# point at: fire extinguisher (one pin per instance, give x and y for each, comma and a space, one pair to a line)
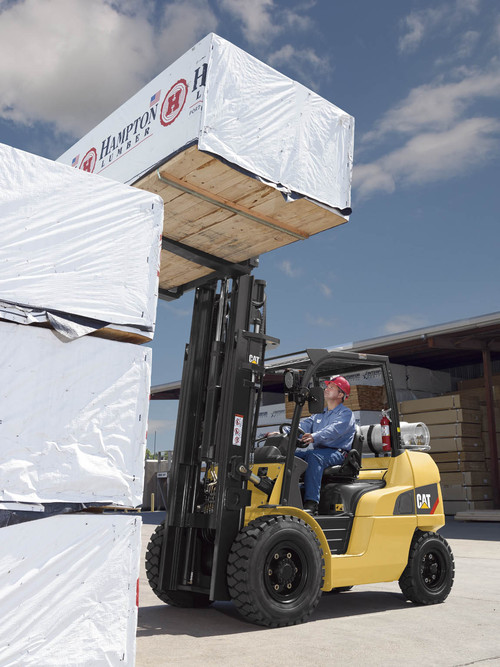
386, 431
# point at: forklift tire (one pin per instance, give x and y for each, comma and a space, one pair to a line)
275, 571
174, 598
428, 576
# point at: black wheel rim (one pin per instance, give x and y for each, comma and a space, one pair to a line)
285, 573
433, 570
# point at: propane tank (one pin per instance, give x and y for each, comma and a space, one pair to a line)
414, 436
385, 431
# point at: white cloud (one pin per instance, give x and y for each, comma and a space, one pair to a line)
71, 62
304, 62
185, 22
496, 31
422, 24
255, 17
322, 322
261, 20
431, 156
326, 290
468, 42
286, 267
400, 323
442, 142
417, 25
436, 106
160, 425
370, 178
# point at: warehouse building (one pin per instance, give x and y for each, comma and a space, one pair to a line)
448, 376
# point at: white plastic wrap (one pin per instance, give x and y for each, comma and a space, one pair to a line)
76, 243
276, 128
73, 418
68, 591
236, 107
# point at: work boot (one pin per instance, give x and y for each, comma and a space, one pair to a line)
311, 506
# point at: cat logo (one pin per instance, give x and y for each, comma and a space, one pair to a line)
424, 501
427, 499
339, 507
253, 359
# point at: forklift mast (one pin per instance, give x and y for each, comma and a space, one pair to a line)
216, 425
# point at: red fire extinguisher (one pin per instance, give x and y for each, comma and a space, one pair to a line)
386, 431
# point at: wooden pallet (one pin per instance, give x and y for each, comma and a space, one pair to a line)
216, 209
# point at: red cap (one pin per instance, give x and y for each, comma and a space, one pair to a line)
341, 383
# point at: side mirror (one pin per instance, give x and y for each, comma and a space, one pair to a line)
316, 400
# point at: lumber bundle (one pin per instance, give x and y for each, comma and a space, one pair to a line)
215, 209
457, 447
245, 159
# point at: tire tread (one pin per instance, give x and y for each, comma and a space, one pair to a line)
237, 571
409, 584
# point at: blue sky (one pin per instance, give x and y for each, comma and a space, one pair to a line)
422, 80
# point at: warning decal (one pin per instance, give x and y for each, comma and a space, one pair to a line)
237, 430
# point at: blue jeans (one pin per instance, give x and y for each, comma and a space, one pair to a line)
317, 460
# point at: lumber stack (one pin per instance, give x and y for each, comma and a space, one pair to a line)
475, 388
80, 256
245, 159
457, 447
364, 397
210, 206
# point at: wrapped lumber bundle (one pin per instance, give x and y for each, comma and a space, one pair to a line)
245, 159
74, 418
79, 253
69, 590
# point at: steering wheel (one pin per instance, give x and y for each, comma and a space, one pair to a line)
300, 433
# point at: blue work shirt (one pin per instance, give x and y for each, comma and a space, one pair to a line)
332, 428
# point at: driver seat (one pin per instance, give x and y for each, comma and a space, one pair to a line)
349, 469
274, 451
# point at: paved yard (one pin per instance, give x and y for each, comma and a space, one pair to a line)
370, 625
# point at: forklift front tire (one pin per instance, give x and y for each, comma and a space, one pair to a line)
275, 571
428, 576
185, 599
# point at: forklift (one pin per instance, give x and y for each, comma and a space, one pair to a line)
235, 527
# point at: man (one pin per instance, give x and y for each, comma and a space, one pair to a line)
331, 434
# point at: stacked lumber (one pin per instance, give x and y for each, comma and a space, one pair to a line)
365, 397
245, 159
476, 389
290, 407
80, 255
362, 398
457, 447
210, 206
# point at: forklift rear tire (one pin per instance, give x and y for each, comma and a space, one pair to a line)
174, 598
275, 571
428, 577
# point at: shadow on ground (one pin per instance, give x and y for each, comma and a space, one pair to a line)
222, 618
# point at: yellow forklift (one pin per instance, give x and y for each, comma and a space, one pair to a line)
235, 527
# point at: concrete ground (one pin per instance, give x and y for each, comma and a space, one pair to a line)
369, 625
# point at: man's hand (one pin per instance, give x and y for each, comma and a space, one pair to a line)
307, 439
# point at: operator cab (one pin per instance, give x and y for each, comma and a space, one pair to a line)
298, 383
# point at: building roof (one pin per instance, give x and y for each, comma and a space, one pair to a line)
441, 346
437, 347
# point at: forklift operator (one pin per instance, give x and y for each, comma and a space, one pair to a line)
331, 434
